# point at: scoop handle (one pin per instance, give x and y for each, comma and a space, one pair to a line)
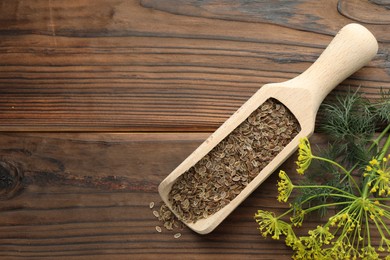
352, 48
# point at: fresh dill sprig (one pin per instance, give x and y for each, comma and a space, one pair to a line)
351, 176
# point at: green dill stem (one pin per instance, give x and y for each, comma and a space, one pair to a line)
285, 213
385, 206
361, 211
318, 206
384, 198
322, 205
385, 147
327, 205
356, 212
343, 194
348, 173
349, 195
367, 229
383, 235
353, 198
377, 140
329, 194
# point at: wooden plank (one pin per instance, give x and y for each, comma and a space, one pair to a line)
157, 66
86, 196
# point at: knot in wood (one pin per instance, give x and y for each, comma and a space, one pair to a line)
10, 180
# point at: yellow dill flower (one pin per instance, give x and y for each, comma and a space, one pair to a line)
298, 217
384, 242
291, 238
304, 155
380, 177
340, 219
369, 252
322, 235
285, 187
368, 171
339, 250
312, 249
374, 162
269, 224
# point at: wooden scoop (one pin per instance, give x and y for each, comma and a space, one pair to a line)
352, 48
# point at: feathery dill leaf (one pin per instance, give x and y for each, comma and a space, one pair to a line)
350, 123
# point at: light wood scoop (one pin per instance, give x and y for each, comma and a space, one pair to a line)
352, 48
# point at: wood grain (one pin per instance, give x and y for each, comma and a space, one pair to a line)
158, 66
162, 75
87, 196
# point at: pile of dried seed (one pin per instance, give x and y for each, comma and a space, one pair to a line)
226, 170
167, 218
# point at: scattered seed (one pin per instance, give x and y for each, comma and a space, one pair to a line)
177, 235
158, 229
156, 214
151, 204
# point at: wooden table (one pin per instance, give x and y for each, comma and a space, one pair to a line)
101, 99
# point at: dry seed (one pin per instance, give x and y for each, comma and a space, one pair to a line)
151, 204
158, 229
236, 178
177, 235
209, 165
156, 214
185, 204
168, 220
168, 225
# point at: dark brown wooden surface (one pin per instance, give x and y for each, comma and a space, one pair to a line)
101, 99
163, 65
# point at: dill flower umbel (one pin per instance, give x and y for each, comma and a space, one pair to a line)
285, 187
304, 155
379, 174
321, 235
269, 224
298, 215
